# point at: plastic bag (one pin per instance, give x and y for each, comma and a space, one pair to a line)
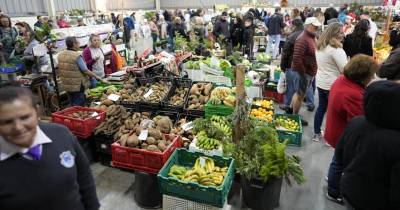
281, 88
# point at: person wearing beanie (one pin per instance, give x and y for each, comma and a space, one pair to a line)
369, 151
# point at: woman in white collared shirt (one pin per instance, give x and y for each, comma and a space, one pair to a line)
42, 165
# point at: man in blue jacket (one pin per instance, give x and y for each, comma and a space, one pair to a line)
275, 25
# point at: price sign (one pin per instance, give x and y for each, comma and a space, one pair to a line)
151, 91
113, 97
202, 162
187, 126
143, 135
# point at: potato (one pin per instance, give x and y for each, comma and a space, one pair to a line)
132, 141
152, 148
151, 140
107, 102
155, 133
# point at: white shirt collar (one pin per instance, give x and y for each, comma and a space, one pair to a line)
7, 149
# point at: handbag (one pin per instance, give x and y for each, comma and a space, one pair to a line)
281, 87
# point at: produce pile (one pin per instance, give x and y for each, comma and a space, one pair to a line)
81, 115
262, 114
204, 172
213, 133
99, 91
115, 117
223, 95
264, 103
212, 62
178, 99
185, 132
139, 131
284, 123
199, 95
153, 93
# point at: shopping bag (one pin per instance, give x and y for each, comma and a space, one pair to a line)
281, 87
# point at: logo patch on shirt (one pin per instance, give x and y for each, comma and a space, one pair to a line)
67, 159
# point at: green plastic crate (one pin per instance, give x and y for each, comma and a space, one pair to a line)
193, 191
294, 137
220, 110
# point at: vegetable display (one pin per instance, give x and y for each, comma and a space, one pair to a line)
206, 143
178, 99
81, 115
199, 95
141, 132
283, 123
115, 117
186, 134
204, 172
264, 103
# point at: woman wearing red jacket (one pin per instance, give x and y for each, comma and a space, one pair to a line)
345, 102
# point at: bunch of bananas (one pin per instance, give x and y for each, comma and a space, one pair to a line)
207, 175
223, 95
221, 123
206, 143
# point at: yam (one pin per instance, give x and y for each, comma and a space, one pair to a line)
162, 146
207, 89
151, 140
155, 133
107, 102
132, 141
152, 148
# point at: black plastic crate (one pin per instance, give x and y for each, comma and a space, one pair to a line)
103, 143
177, 83
150, 105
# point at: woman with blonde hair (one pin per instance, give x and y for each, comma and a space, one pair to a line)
331, 59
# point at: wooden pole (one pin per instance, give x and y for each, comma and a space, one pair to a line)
240, 101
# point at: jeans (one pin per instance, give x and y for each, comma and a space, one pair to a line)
154, 36
273, 41
93, 82
310, 94
290, 90
323, 96
334, 176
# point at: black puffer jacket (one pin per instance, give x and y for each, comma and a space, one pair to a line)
390, 69
369, 151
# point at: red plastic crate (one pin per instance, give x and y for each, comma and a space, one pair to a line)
140, 159
81, 128
279, 98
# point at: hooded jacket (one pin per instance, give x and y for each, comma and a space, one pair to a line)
369, 151
390, 69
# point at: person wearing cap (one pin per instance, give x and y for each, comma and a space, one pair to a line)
42, 164
369, 151
221, 32
275, 27
304, 64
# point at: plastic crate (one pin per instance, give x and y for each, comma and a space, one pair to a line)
11, 69
206, 69
177, 83
193, 191
279, 98
174, 203
81, 128
103, 143
294, 137
220, 110
140, 159
263, 98
193, 74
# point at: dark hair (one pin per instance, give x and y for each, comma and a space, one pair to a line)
360, 68
38, 17
70, 41
277, 9
25, 25
9, 20
12, 92
360, 32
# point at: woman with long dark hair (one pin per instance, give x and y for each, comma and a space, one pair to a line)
359, 42
237, 28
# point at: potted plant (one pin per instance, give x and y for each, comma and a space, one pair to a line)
263, 164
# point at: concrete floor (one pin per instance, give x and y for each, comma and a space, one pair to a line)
115, 187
